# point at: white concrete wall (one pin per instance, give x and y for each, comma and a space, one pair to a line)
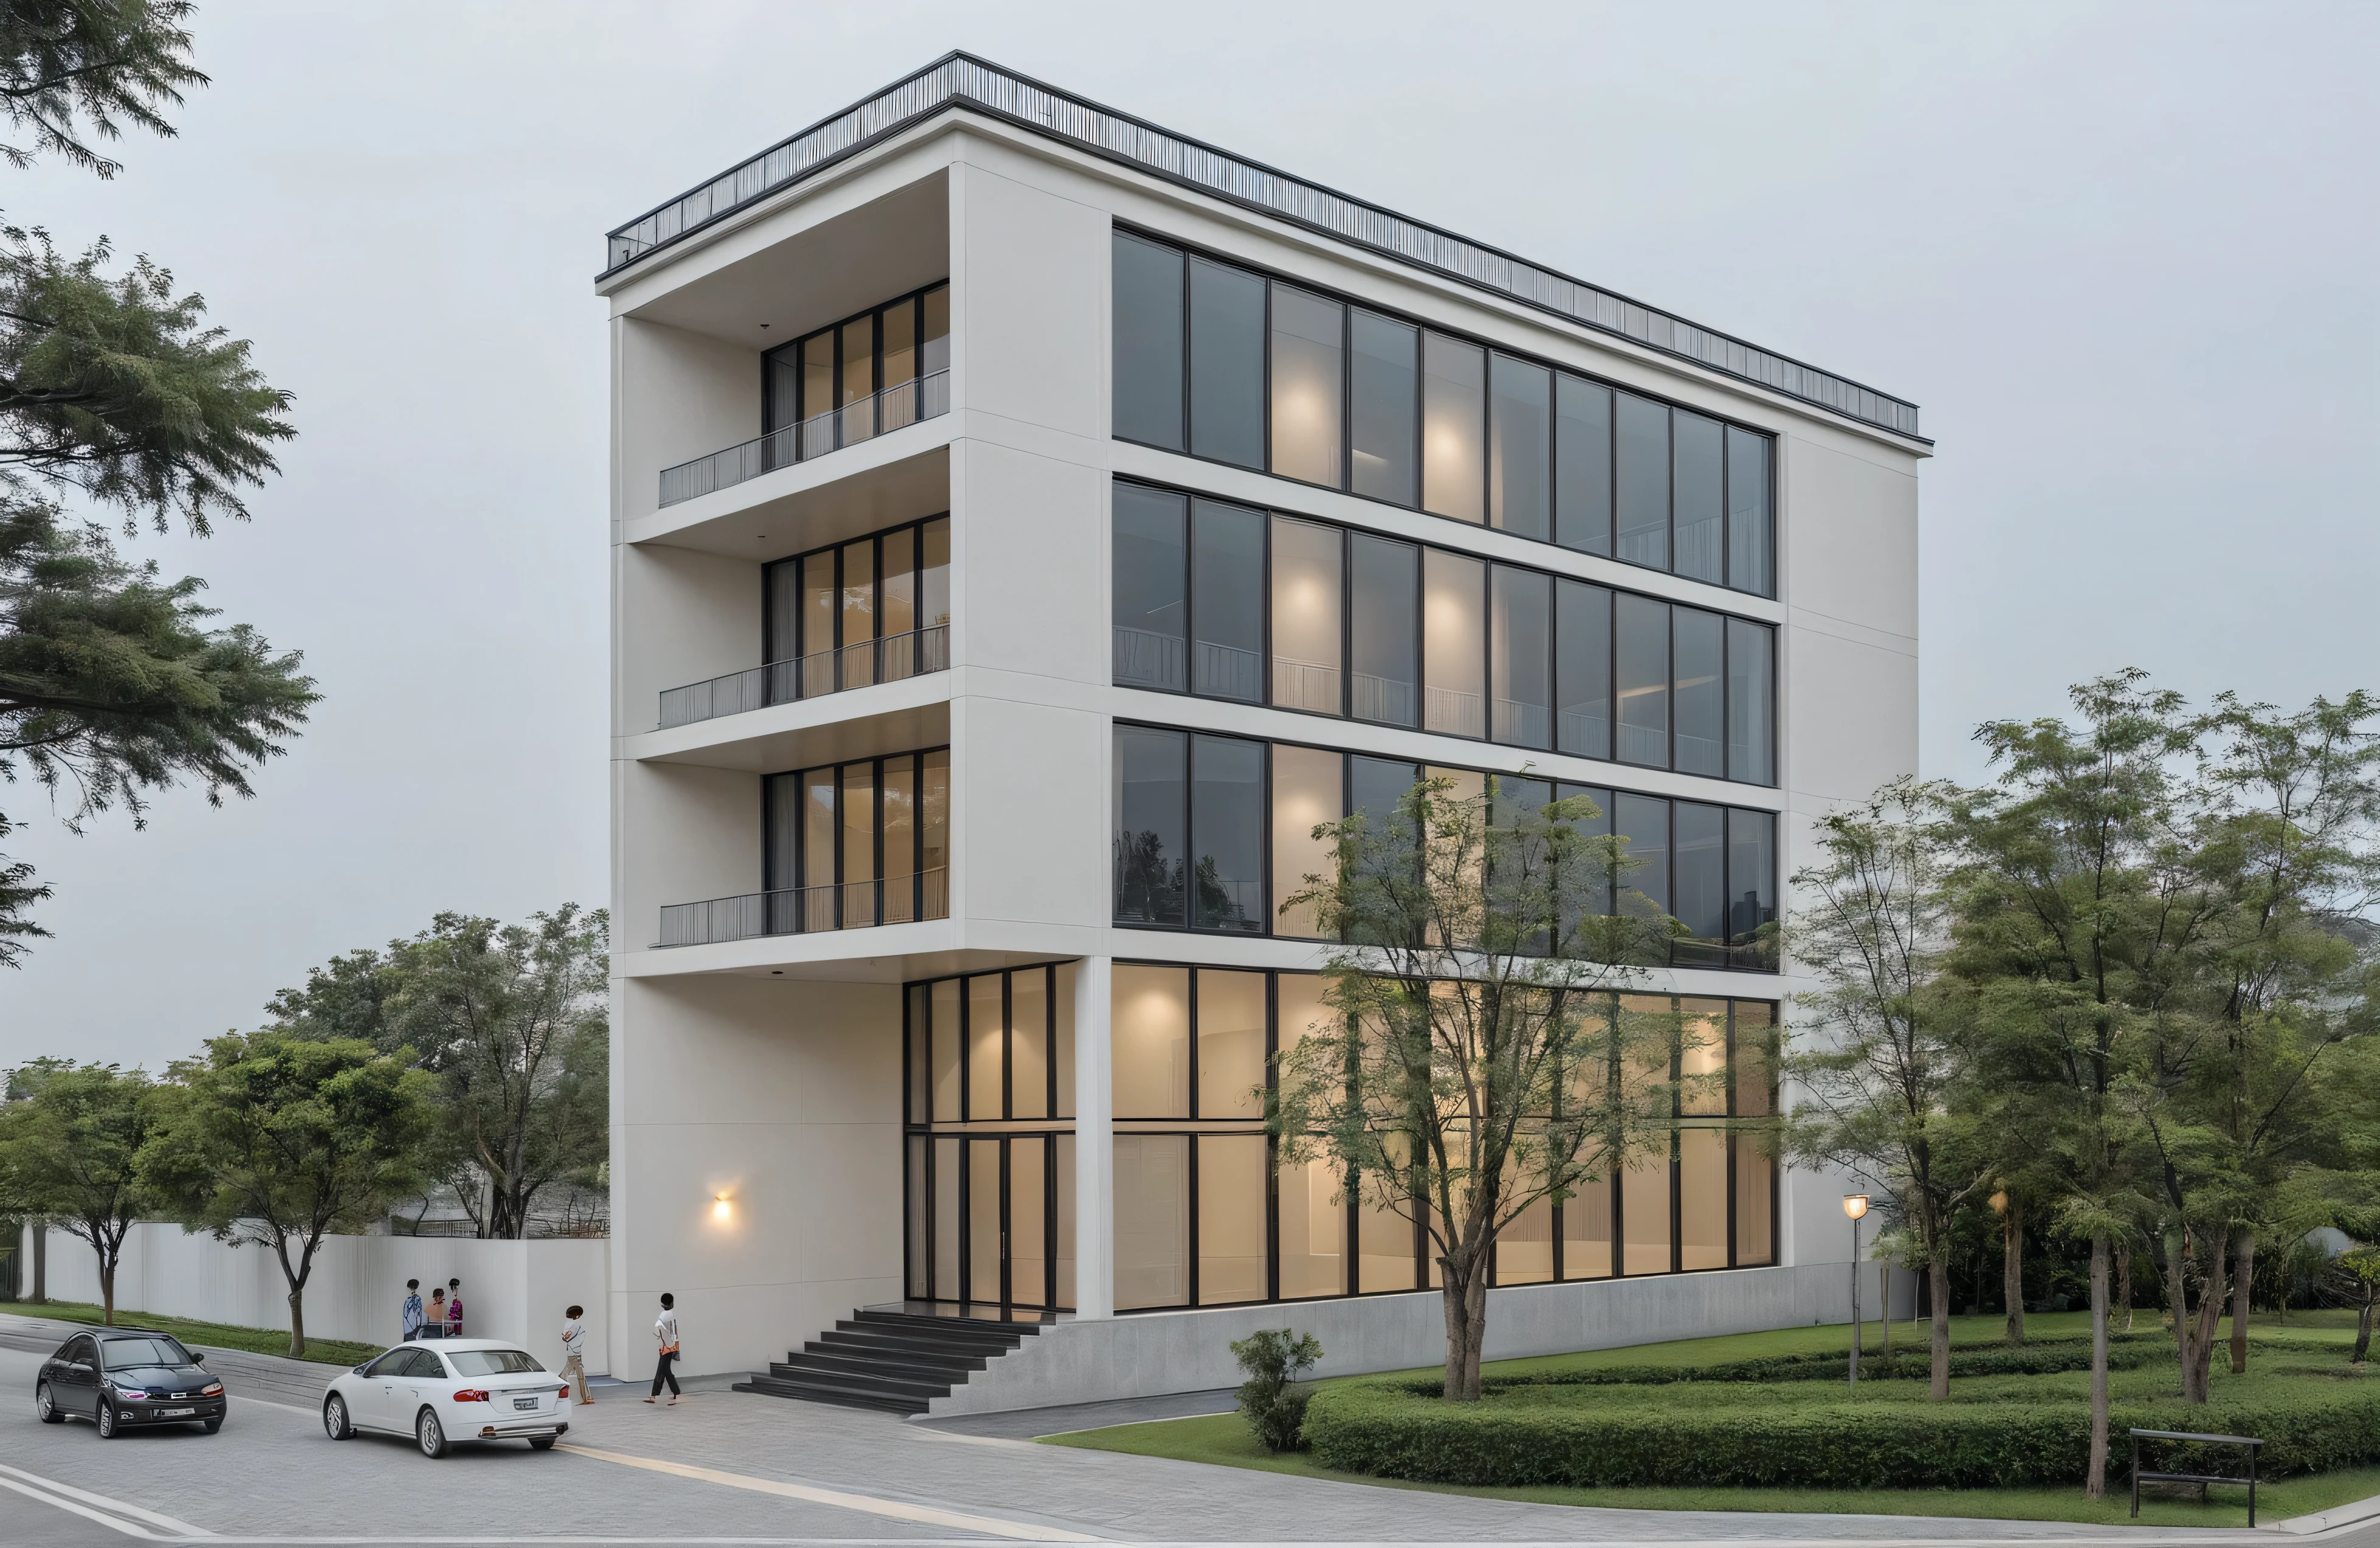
783, 1096
516, 1290
1147, 1354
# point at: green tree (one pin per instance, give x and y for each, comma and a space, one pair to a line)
1892, 1037
1482, 1061
113, 386
280, 1141
70, 1140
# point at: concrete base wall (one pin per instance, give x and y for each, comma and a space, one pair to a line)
1143, 1356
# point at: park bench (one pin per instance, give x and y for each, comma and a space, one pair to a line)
2200, 1478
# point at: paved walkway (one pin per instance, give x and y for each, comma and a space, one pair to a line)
728, 1465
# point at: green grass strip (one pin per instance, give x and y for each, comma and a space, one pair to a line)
219, 1336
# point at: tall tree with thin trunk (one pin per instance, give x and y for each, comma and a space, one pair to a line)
70, 1140
1886, 1038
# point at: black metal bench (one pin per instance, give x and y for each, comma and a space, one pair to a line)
2202, 1480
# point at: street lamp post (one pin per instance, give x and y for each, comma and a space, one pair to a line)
1855, 1206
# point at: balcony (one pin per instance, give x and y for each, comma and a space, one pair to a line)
889, 660
807, 910
880, 413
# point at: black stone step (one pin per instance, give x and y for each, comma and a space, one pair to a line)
842, 1397
949, 1370
905, 1342
919, 1319
991, 1334
892, 1384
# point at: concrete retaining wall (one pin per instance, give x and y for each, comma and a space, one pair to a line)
511, 1289
1144, 1354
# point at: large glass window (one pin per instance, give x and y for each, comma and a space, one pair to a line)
1308, 787
1700, 833
1383, 408
1520, 453
1521, 650
1751, 887
1455, 643
828, 381
1644, 822
1306, 590
1227, 815
1642, 680
1453, 404
857, 843
1642, 480
1227, 349
1698, 496
1751, 693
1152, 826
1583, 668
1152, 1220
1148, 346
848, 616
1385, 646
1227, 563
1151, 588
1582, 465
1201, 796
1751, 565
1231, 1020
1701, 704
1149, 1039
1307, 376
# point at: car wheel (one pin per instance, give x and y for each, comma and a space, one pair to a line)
107, 1426
210, 1426
46, 1406
542, 1443
335, 1423
430, 1433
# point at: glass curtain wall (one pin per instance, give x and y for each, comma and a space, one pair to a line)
1207, 1215
844, 384
988, 1113
1208, 594
864, 842
1225, 363
875, 609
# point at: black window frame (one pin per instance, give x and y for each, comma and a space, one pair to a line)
771, 816
769, 570
792, 350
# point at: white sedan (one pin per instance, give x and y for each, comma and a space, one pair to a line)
447, 1390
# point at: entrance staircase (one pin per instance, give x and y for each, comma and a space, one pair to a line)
895, 1361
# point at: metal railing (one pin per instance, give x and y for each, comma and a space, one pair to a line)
888, 660
880, 413
960, 79
923, 895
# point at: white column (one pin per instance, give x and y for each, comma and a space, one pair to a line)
1094, 1144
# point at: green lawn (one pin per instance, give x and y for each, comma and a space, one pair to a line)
219, 1336
2308, 1344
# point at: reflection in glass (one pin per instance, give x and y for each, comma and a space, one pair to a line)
1227, 828
900, 801
1697, 497
1307, 785
1227, 344
1149, 1042
1700, 869
897, 601
900, 340
1312, 1230
1152, 824
1525, 1252
1701, 707
1455, 643
1520, 467
1147, 341
1227, 545
1381, 408
934, 576
1383, 629
1586, 1231
1453, 404
1644, 822
1582, 667
1751, 692
1643, 479
1305, 596
1151, 589
1750, 546
1306, 373
1521, 647
1152, 1220
935, 355
1750, 886
1385, 1249
1643, 679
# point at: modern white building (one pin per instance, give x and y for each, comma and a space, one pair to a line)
1026, 523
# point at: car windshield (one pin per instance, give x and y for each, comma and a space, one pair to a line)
491, 1362
124, 1353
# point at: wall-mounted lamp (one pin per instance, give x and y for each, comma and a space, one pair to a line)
721, 1209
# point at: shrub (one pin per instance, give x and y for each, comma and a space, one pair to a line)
1272, 1399
1589, 1440
2133, 1352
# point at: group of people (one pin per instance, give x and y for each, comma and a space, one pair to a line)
443, 1318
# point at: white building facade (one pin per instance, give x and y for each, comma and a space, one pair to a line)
1118, 510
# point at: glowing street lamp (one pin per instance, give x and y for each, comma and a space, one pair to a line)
1855, 1206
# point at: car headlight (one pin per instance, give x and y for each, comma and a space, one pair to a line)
212, 1389
130, 1394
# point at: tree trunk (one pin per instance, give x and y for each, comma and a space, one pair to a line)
2097, 1485
2194, 1331
1941, 1330
1884, 1304
297, 1322
2012, 1268
2243, 1267
2364, 1329
107, 1290
2124, 1286
41, 1262
1465, 1298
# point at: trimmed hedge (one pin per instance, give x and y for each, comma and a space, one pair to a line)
2125, 1352
1395, 1428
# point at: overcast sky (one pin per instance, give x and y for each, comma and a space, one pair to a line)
2122, 255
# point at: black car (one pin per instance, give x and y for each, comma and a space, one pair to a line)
117, 1377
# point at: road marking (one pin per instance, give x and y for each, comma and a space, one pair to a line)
124, 1516
898, 1510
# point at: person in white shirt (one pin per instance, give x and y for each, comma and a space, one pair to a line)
665, 1329
574, 1351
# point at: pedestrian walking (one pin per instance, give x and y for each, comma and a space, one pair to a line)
665, 1329
410, 1315
574, 1351
434, 1326
454, 1308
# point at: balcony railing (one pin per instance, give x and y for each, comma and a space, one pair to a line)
880, 413
924, 895
888, 660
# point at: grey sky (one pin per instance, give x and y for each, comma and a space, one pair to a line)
2122, 255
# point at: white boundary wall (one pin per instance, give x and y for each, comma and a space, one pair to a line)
515, 1290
